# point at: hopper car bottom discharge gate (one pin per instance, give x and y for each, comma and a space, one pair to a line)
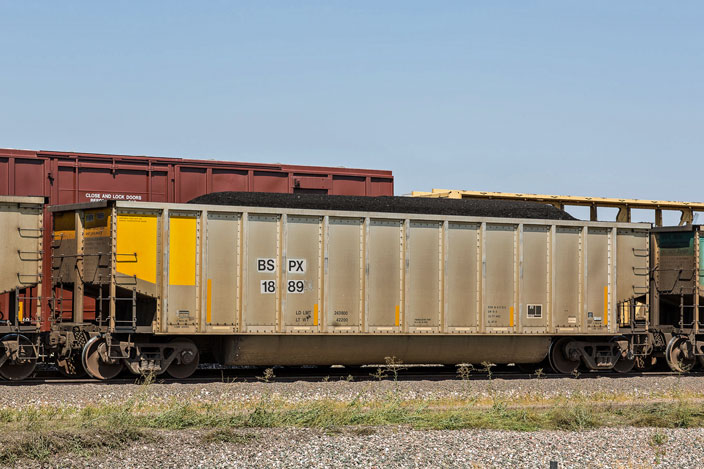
104, 356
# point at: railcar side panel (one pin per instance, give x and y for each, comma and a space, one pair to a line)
136, 251
423, 263
301, 293
183, 308
567, 291
384, 269
499, 266
344, 274
597, 278
463, 282
261, 273
221, 271
535, 272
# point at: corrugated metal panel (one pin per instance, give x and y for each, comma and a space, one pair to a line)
314, 271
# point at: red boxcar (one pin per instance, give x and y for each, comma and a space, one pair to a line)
67, 177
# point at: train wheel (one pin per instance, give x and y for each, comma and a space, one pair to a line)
186, 362
624, 365
22, 362
94, 360
679, 358
559, 361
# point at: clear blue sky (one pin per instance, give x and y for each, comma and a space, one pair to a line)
585, 98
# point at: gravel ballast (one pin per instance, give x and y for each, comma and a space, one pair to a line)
392, 446
403, 448
633, 388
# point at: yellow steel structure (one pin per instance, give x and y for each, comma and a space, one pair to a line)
136, 246
182, 251
624, 206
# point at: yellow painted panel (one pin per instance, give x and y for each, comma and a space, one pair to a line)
97, 232
182, 251
20, 311
397, 316
64, 225
208, 301
315, 314
136, 246
606, 305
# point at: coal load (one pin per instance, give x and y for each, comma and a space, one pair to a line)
388, 204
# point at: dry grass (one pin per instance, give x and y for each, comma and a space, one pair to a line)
268, 412
43, 444
37, 433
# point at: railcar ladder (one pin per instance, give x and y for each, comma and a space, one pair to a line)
23, 321
130, 324
639, 343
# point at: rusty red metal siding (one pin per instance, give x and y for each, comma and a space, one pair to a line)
229, 180
381, 186
79, 177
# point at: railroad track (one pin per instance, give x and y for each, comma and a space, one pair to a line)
292, 374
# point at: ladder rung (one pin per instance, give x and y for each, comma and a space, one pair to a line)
20, 230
